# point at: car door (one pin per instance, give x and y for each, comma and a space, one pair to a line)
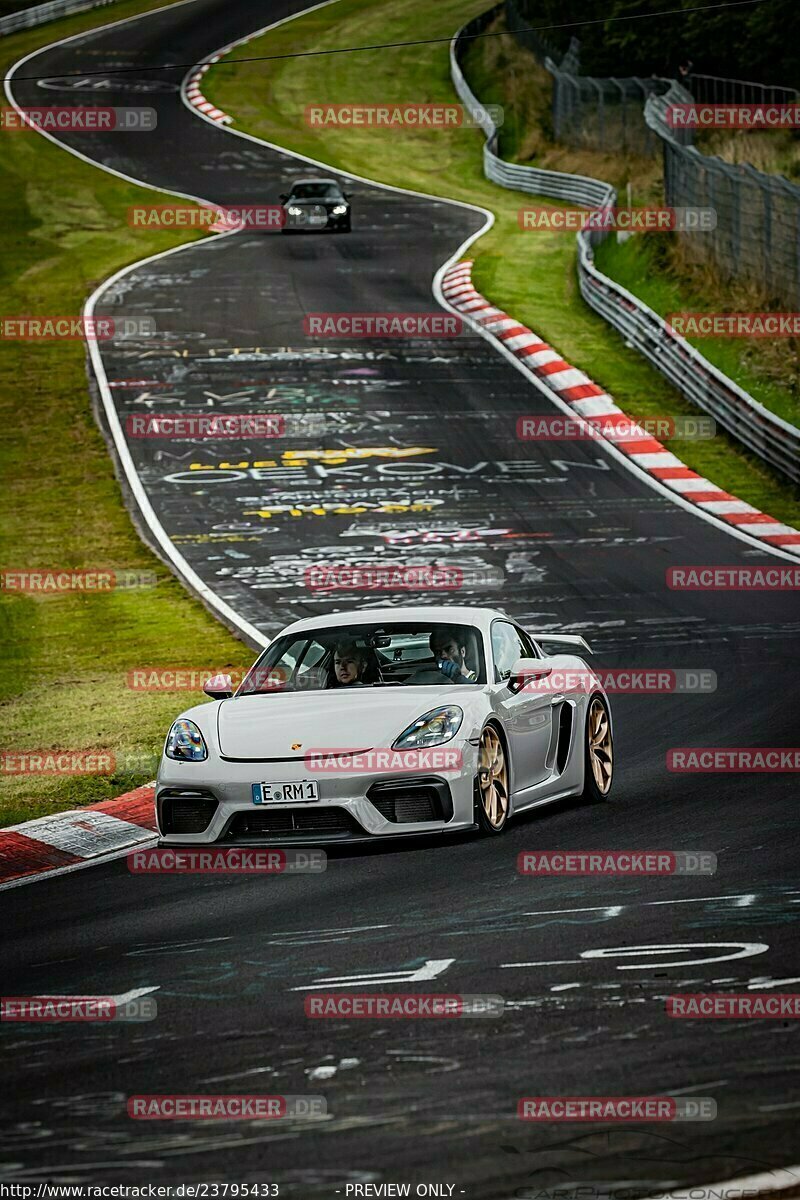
527, 715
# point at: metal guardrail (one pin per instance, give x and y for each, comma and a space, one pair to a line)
758, 214
27, 18
577, 189
759, 430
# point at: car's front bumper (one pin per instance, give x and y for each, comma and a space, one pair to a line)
352, 805
316, 223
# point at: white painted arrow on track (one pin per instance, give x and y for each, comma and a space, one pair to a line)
429, 970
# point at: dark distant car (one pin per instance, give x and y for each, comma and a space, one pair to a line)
316, 204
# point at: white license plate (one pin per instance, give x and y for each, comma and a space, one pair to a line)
286, 793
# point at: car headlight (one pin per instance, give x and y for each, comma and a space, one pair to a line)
339, 210
433, 728
185, 742
294, 211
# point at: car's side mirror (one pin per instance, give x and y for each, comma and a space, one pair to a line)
347, 195
525, 671
218, 687
284, 196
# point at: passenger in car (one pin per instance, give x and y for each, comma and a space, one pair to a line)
451, 656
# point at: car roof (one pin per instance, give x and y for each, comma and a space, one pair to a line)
316, 179
445, 614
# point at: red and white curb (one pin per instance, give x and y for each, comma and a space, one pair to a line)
195, 95
69, 840
587, 399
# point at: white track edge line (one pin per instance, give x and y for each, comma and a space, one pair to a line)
653, 483
179, 563
155, 526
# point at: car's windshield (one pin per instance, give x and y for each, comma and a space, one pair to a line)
381, 655
316, 191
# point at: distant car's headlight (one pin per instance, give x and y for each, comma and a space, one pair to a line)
433, 728
339, 210
185, 742
294, 211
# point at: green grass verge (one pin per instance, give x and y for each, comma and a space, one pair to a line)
66, 656
529, 274
657, 267
646, 267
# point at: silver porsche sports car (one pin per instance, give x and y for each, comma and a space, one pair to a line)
368, 724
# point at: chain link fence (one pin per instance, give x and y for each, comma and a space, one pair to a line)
578, 189
757, 236
589, 112
761, 431
712, 89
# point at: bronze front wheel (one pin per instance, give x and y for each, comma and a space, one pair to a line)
493, 795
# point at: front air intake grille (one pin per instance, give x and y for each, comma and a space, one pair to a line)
185, 811
288, 823
404, 801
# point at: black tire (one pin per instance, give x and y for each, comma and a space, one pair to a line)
594, 752
499, 807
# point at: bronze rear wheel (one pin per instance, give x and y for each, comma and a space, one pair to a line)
599, 746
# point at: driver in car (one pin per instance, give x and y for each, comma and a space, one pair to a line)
349, 665
451, 656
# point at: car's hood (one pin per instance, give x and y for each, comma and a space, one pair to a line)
289, 724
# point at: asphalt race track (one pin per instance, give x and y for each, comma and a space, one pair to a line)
562, 536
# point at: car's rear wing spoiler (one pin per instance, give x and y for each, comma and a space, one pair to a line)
563, 641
